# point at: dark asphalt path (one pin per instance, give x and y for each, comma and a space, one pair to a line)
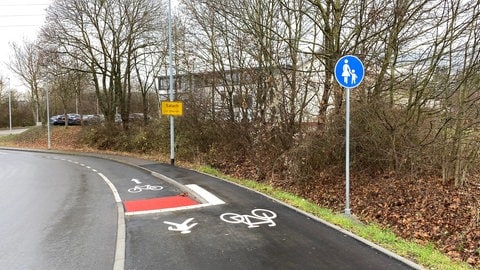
292, 241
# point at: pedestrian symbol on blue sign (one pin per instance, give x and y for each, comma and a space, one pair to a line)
349, 71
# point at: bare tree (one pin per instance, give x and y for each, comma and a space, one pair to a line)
26, 64
104, 36
147, 65
460, 92
263, 40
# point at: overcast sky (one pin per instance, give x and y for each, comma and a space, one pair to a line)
19, 20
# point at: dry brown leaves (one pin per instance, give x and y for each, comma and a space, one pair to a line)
423, 210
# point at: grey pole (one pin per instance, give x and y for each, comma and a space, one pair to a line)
348, 67
10, 105
48, 118
170, 59
347, 153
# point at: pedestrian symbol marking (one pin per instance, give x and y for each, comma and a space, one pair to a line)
349, 71
181, 227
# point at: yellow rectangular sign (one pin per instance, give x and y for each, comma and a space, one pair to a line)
172, 108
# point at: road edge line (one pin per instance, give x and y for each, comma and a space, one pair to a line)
119, 260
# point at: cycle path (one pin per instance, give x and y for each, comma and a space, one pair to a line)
243, 230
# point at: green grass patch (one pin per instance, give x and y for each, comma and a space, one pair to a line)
426, 255
6, 138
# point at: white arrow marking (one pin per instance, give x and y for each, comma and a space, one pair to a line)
136, 181
183, 227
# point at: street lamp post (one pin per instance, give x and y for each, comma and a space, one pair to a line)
170, 58
48, 119
9, 105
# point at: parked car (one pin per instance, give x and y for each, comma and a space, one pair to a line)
74, 119
56, 120
138, 117
93, 119
59, 120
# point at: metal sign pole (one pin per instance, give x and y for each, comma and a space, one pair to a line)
347, 153
349, 73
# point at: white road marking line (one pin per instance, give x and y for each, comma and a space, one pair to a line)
136, 181
112, 187
119, 263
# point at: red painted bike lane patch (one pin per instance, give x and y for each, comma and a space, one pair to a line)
158, 203
170, 203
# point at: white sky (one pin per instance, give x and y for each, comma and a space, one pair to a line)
19, 20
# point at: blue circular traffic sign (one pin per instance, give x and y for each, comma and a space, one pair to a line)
349, 71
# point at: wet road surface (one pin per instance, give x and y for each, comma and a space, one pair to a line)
82, 212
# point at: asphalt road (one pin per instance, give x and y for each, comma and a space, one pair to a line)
82, 212
53, 215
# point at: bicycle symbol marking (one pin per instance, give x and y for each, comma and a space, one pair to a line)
139, 188
257, 217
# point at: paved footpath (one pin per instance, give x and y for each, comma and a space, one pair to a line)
5, 132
